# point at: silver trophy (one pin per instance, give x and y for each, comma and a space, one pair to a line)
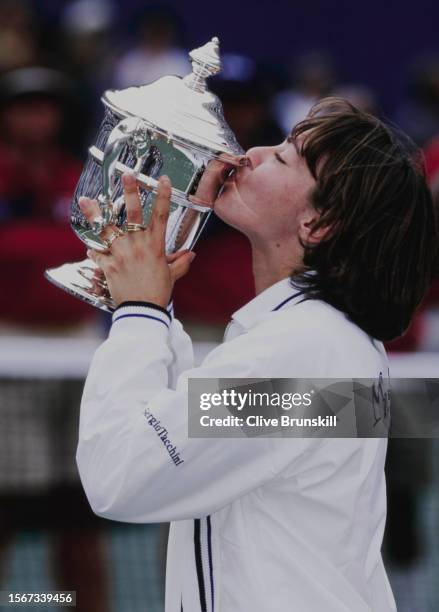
173, 126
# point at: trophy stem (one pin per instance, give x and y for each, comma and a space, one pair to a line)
83, 280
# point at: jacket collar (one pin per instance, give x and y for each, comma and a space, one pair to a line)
280, 295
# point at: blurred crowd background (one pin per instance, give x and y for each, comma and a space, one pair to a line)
56, 59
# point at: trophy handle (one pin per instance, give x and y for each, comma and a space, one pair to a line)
128, 131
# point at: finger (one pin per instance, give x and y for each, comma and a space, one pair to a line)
91, 254
211, 181
132, 198
98, 276
235, 160
219, 169
181, 266
174, 256
100, 258
89, 208
160, 211
98, 272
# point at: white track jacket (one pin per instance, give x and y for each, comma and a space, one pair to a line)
258, 524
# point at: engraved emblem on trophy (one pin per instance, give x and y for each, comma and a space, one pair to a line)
173, 126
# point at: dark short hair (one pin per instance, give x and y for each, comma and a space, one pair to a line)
377, 258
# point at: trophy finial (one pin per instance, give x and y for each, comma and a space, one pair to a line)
206, 62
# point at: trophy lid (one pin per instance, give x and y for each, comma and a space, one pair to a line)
182, 108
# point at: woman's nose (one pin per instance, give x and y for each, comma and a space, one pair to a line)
256, 155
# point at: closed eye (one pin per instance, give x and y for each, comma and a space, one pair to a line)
279, 158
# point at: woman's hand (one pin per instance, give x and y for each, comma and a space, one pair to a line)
136, 267
212, 179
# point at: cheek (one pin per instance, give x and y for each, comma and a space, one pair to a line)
227, 204
232, 208
260, 204
269, 199
258, 193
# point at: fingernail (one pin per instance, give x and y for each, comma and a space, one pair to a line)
128, 178
164, 179
88, 252
193, 255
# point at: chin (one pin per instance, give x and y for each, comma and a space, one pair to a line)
221, 203
230, 209
224, 208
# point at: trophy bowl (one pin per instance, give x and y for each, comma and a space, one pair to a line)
173, 126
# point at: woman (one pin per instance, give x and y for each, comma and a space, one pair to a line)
341, 226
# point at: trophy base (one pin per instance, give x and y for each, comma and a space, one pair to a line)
81, 280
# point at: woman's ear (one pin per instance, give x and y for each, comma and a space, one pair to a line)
306, 233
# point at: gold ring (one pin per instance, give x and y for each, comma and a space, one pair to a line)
134, 227
112, 237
